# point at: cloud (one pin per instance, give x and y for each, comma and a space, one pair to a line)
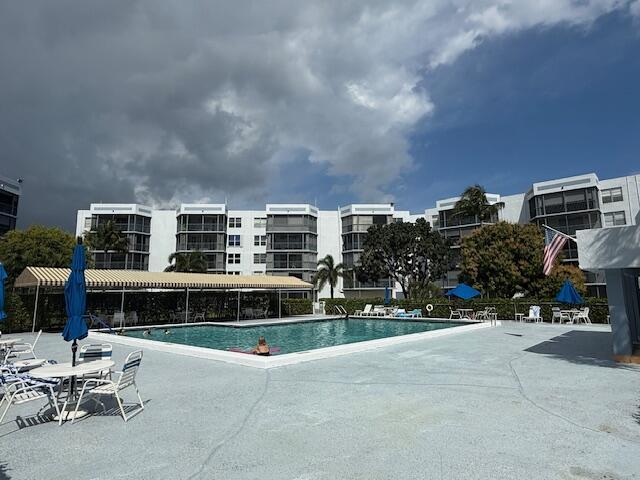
168, 101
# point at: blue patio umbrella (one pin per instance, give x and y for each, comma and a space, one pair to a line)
463, 291
387, 295
75, 295
569, 294
3, 277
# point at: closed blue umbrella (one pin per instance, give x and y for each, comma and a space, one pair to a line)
75, 295
569, 294
463, 291
387, 295
3, 277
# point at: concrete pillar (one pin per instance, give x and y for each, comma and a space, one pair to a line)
621, 290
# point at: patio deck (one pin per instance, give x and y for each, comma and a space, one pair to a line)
514, 401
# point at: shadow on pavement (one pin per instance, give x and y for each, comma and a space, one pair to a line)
3, 472
581, 347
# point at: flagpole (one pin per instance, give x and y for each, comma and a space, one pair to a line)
560, 233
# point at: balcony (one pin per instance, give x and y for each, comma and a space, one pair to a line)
200, 246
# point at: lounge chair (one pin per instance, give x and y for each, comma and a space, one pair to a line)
559, 315
534, 314
415, 313
100, 387
365, 312
454, 314
21, 388
378, 311
25, 348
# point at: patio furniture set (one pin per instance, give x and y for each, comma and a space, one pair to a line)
64, 385
488, 313
571, 316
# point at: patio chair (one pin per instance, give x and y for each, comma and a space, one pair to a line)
454, 314
19, 389
90, 352
25, 348
582, 316
198, 317
415, 313
378, 311
559, 315
365, 312
482, 314
534, 314
101, 387
133, 318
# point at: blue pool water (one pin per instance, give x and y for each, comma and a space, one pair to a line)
293, 337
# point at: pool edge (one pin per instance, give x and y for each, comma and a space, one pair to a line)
285, 359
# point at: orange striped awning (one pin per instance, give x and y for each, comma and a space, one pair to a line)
56, 277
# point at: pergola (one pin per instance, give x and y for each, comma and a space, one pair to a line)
121, 280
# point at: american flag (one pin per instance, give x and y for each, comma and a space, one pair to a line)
553, 243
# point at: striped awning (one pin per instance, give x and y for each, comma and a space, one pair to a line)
56, 277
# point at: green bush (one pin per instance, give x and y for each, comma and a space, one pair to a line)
18, 318
505, 307
297, 306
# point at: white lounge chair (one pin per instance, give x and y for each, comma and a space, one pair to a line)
534, 314
365, 312
454, 314
100, 387
25, 348
378, 311
559, 315
19, 389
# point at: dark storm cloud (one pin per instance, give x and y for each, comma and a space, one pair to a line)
166, 101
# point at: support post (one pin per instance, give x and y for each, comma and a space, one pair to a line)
186, 309
279, 303
122, 322
35, 308
238, 310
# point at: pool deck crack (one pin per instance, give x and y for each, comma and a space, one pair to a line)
237, 432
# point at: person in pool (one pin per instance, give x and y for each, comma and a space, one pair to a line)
166, 331
147, 332
262, 348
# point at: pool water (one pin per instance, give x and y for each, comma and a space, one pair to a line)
292, 337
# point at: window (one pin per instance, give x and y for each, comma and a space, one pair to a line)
259, 258
614, 219
87, 223
233, 258
259, 240
233, 273
611, 195
260, 222
234, 240
235, 222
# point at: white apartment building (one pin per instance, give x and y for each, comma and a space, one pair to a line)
289, 239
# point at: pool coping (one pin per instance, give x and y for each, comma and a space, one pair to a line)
256, 361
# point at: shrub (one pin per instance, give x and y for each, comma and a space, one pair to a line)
505, 307
297, 306
18, 318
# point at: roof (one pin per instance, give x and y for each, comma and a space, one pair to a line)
56, 277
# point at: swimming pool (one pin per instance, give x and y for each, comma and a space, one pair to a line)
291, 337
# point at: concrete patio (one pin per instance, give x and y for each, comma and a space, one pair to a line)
515, 401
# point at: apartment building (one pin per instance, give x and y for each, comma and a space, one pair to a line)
10, 191
289, 239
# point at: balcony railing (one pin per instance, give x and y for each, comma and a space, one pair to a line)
201, 246
292, 246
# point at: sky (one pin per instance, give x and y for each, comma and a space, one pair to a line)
326, 102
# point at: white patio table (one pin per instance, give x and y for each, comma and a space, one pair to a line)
65, 370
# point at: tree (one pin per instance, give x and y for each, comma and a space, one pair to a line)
328, 272
503, 259
473, 203
192, 262
412, 254
549, 286
37, 246
107, 237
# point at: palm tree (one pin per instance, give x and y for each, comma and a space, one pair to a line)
192, 262
473, 203
328, 272
107, 237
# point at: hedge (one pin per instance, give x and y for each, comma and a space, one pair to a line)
505, 307
297, 306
